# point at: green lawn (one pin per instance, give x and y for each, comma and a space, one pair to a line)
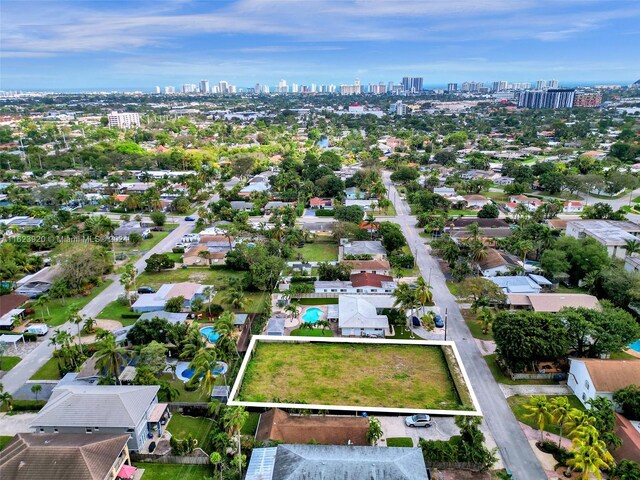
181, 426
402, 333
399, 442
350, 374
60, 308
464, 213
622, 356
317, 301
7, 362
317, 252
502, 378
453, 287
636, 200
251, 425
563, 289
114, 311
255, 301
410, 272
218, 276
163, 471
311, 332
4, 440
48, 371
607, 197
185, 396
474, 325
518, 402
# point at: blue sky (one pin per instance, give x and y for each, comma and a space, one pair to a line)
85, 44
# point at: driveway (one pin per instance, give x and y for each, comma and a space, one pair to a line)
12, 424
443, 428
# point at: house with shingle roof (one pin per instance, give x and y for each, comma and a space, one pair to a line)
102, 409
592, 377
60, 456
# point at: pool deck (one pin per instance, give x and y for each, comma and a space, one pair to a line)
633, 353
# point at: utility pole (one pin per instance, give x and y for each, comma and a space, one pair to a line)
446, 322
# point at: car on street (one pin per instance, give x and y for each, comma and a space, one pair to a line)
418, 420
146, 290
438, 322
189, 219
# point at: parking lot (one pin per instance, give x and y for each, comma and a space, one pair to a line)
442, 428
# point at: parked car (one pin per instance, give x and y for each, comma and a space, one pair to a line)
189, 219
416, 321
418, 420
438, 321
146, 290
39, 329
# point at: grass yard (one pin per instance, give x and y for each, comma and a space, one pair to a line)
400, 442
464, 213
60, 308
4, 440
8, 362
562, 289
317, 252
185, 396
218, 276
350, 374
311, 332
401, 333
48, 371
181, 426
518, 402
255, 301
251, 425
164, 471
453, 287
114, 311
502, 378
471, 319
622, 356
317, 301
410, 272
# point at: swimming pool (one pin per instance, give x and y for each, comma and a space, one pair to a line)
635, 346
210, 334
312, 315
185, 373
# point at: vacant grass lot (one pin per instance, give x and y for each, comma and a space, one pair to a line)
394, 376
200, 428
60, 308
518, 402
311, 332
163, 471
317, 252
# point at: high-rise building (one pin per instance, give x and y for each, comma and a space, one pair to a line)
169, 89
590, 100
294, 88
378, 88
548, 98
257, 88
412, 84
552, 84
452, 87
123, 120
203, 86
282, 86
500, 86
313, 88
223, 87
332, 88
398, 108
472, 86
231, 89
540, 84
266, 89
158, 89
188, 88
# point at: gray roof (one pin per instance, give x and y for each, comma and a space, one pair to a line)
168, 316
96, 406
516, 284
320, 462
241, 205
539, 279
240, 318
275, 325
365, 247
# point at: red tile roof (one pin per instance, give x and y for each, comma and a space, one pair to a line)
369, 280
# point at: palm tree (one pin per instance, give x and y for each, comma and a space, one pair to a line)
486, 319
235, 297
631, 247
89, 325
207, 292
36, 389
76, 319
560, 409
405, 298
234, 419
216, 459
203, 365
42, 301
540, 411
225, 327
293, 309
168, 391
588, 460
523, 247
577, 421
478, 250
5, 400
423, 292
474, 231
111, 358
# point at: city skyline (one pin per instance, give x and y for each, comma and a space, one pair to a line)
73, 45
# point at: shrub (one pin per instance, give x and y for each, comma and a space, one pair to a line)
404, 261
177, 250
325, 213
301, 279
27, 405
29, 337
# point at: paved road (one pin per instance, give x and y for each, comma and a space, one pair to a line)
30, 364
515, 450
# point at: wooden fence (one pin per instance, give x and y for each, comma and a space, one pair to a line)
473, 467
198, 457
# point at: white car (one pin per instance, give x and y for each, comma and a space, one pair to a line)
418, 420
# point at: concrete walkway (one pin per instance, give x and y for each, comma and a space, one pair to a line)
18, 423
511, 390
32, 362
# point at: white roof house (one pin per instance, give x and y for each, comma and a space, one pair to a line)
358, 317
610, 233
153, 302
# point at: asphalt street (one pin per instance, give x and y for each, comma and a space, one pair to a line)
516, 453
